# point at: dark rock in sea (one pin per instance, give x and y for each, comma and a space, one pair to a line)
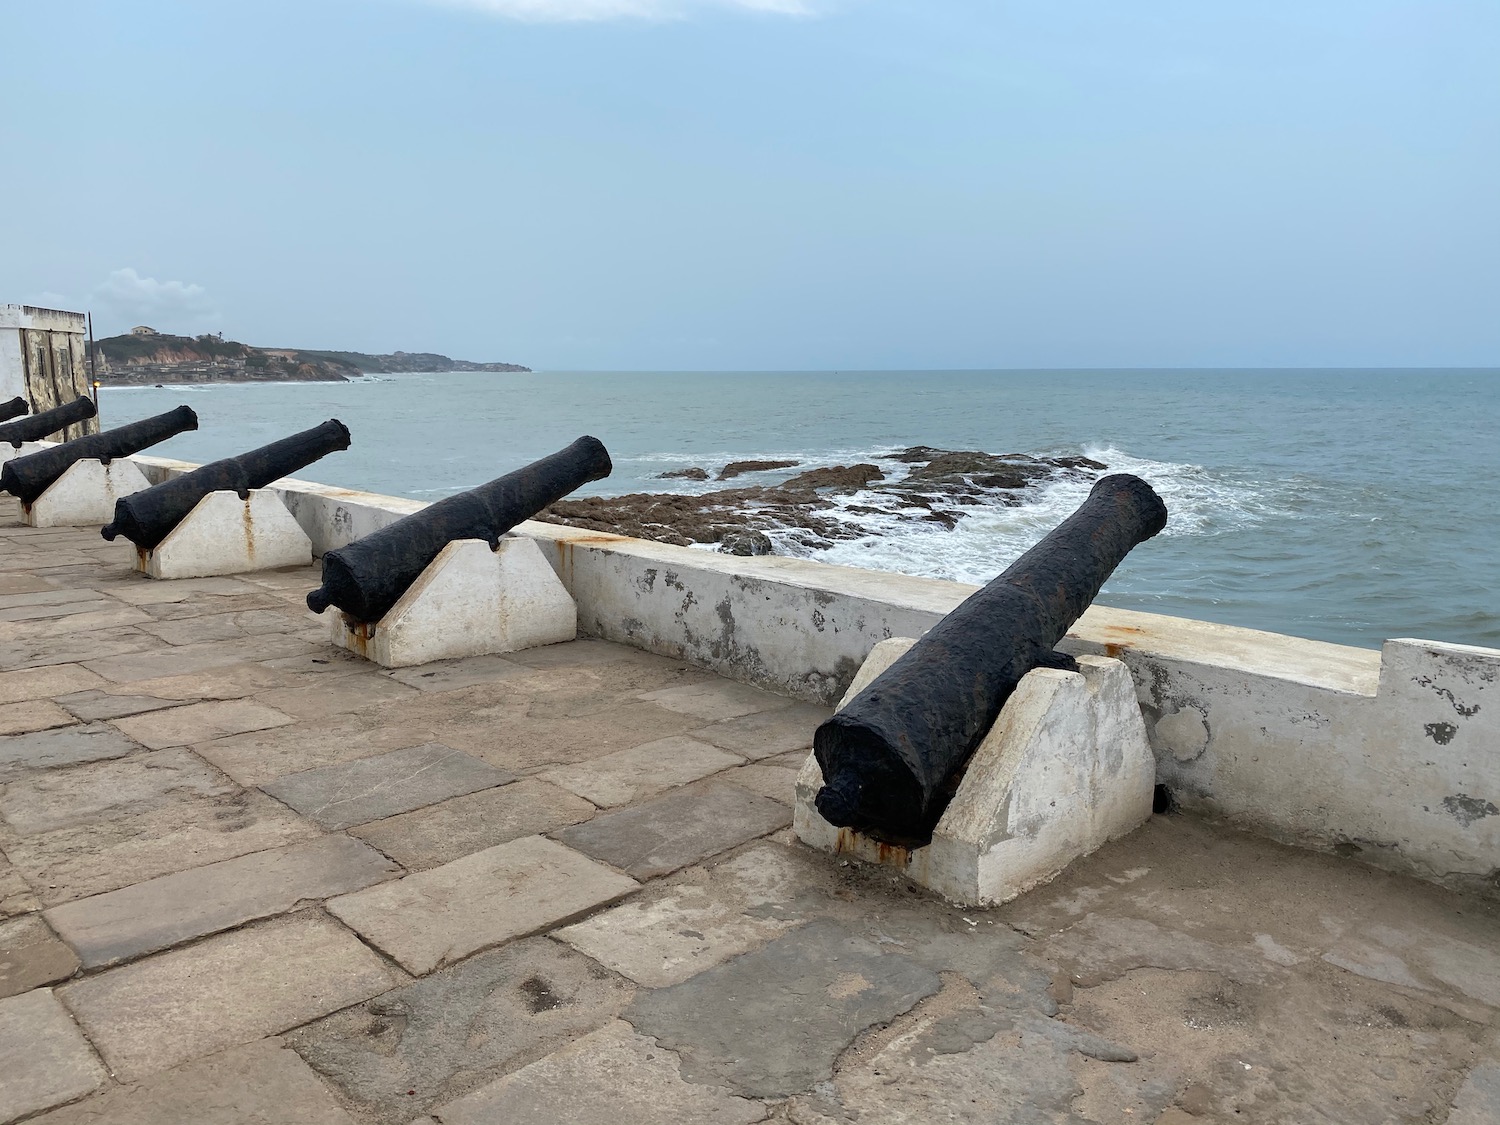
805, 512
735, 468
746, 543
843, 478
693, 473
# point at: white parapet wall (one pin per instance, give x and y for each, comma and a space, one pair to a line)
1393, 756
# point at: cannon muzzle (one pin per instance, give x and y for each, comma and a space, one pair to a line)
29, 476
35, 427
366, 578
13, 409
892, 757
146, 518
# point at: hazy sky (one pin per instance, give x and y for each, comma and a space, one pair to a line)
767, 183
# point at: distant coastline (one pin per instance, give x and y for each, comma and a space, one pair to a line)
146, 357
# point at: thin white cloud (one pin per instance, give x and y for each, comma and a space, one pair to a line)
171, 306
580, 11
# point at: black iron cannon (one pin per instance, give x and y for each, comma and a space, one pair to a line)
146, 518
13, 409
34, 427
29, 476
366, 578
891, 759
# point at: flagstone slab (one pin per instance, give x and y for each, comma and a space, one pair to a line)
32, 715
202, 722
147, 591
264, 755
436, 917
453, 1031
15, 895
105, 790
129, 845
155, 1014
460, 826
769, 778
765, 734
450, 675
171, 909
819, 986
674, 931
642, 771
260, 1083
94, 705
680, 828
20, 754
355, 693
44, 1058
46, 683
374, 788
183, 659
31, 955
612, 1076
716, 700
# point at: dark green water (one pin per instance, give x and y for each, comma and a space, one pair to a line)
1348, 506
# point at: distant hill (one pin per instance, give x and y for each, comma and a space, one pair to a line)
145, 355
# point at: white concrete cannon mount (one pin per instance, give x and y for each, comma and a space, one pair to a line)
85, 493
226, 535
1065, 768
469, 601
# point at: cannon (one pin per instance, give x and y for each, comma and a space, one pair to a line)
366, 578
892, 757
35, 427
13, 409
148, 517
29, 476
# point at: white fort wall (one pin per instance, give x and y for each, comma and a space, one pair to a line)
1393, 756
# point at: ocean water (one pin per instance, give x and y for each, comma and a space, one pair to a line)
1347, 506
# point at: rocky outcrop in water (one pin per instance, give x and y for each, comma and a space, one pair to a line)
812, 510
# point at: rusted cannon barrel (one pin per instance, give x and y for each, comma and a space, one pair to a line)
146, 518
13, 409
368, 576
29, 476
891, 758
34, 427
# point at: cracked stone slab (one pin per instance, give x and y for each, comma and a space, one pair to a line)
675, 830
770, 778
22, 753
93, 706
44, 1059
355, 693
451, 1032
819, 987
436, 917
155, 1014
31, 955
1478, 1099
612, 1076
46, 683
672, 932
374, 788
460, 826
185, 659
99, 827
175, 908
106, 790
32, 715
450, 675
715, 700
201, 722
642, 771
765, 734
262, 1082
263, 755
15, 895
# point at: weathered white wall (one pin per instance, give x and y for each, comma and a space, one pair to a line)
1393, 756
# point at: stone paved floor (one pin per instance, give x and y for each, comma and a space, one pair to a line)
248, 879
